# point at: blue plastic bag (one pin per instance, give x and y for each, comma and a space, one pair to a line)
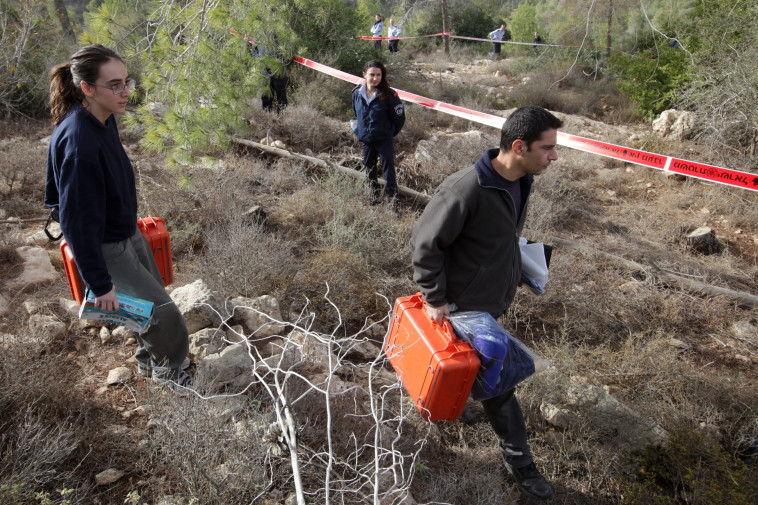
505, 360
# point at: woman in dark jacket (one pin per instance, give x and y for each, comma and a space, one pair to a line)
90, 182
380, 116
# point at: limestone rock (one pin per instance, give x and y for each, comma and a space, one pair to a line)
232, 368
256, 314
37, 268
675, 124
198, 305
4, 305
206, 342
108, 476
46, 328
105, 335
619, 424
118, 376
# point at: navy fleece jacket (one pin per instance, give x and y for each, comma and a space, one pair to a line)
379, 119
91, 181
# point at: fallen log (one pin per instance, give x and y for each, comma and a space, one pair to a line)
404, 191
744, 299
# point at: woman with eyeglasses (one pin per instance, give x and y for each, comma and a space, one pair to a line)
90, 182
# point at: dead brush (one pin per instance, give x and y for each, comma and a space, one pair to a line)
304, 127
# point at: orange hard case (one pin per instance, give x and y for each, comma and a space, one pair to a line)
154, 230
436, 368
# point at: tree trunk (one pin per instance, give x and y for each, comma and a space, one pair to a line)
446, 26
608, 32
62, 13
401, 190
704, 241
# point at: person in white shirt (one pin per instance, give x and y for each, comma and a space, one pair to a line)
393, 31
497, 35
376, 31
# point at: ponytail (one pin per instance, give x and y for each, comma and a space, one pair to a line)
63, 91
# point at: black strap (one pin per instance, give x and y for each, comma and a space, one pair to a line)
52, 217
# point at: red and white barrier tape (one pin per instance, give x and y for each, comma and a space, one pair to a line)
405, 38
507, 41
249, 39
745, 180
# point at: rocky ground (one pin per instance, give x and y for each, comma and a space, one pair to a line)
626, 282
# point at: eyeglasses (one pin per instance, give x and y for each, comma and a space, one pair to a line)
117, 89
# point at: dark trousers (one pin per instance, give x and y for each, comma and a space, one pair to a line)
377, 44
393, 45
132, 268
496, 47
372, 151
507, 420
278, 89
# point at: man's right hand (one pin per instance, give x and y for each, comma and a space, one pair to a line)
437, 313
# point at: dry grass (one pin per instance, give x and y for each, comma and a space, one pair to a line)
601, 321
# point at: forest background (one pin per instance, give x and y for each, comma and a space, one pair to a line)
602, 322
660, 53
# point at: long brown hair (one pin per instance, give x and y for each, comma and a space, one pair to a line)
84, 65
383, 87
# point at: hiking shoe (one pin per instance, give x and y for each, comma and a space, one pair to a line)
146, 370
176, 380
531, 482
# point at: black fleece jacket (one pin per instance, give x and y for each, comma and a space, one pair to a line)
465, 245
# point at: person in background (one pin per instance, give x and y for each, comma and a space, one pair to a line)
537, 39
466, 256
380, 116
495, 35
376, 31
393, 31
277, 84
90, 182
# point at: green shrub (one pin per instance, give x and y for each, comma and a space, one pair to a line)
692, 469
652, 79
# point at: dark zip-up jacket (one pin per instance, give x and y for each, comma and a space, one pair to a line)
465, 245
380, 119
91, 181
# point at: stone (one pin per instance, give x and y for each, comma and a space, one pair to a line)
105, 335
118, 376
675, 124
199, 306
46, 328
205, 342
108, 477
259, 316
745, 330
617, 423
37, 268
123, 333
5, 305
675, 342
232, 368
69, 306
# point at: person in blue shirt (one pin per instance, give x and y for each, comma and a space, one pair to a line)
90, 183
376, 31
380, 116
495, 35
393, 31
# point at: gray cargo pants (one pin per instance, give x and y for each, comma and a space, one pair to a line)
132, 268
